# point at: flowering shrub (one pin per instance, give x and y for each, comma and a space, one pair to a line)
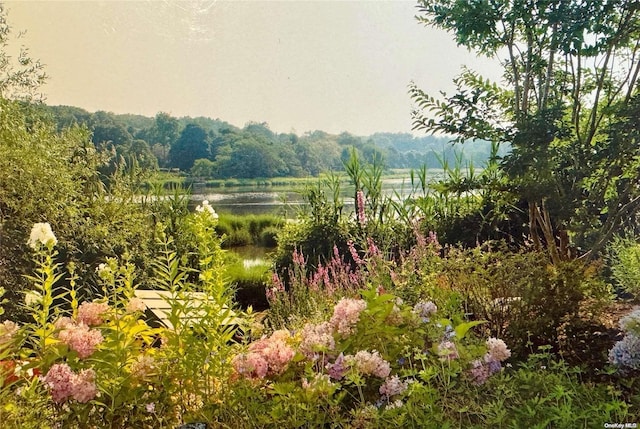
365, 354
63, 383
367, 359
625, 354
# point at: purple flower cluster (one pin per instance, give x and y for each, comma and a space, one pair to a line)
424, 309
491, 363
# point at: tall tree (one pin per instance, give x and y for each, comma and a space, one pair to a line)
191, 145
570, 71
165, 132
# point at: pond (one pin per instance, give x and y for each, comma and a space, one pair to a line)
282, 200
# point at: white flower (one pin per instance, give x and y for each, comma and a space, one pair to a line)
135, 304
205, 207
41, 233
32, 298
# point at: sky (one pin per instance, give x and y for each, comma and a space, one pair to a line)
299, 66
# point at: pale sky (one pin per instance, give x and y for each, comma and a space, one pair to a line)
297, 65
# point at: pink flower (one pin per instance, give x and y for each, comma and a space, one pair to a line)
59, 380
80, 338
498, 349
84, 387
275, 351
267, 356
250, 365
354, 253
64, 323
90, 313
373, 249
316, 338
135, 304
393, 386
479, 372
337, 369
370, 363
360, 207
8, 330
346, 314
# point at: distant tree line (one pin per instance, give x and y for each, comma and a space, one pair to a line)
206, 147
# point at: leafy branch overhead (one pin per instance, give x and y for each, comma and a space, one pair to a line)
570, 71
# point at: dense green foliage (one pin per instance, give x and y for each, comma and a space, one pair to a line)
212, 148
567, 106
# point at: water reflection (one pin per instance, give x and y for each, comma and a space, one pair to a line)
286, 201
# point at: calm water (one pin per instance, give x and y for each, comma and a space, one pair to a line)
277, 199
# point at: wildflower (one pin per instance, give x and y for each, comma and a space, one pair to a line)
316, 338
479, 372
396, 404
449, 332
8, 330
424, 309
275, 351
393, 386
81, 339
41, 233
275, 279
90, 313
83, 386
498, 349
354, 253
373, 249
370, 363
250, 365
59, 380
447, 351
143, 367
337, 369
631, 322
625, 354
150, 407
493, 366
320, 384
346, 314
206, 208
32, 298
298, 258
63, 323
360, 207
135, 304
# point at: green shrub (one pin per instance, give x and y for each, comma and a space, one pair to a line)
624, 262
269, 236
239, 237
522, 296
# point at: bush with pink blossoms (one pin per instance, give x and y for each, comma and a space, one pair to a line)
346, 314
81, 339
63, 384
267, 356
92, 313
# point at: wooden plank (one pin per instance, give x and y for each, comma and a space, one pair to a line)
157, 301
